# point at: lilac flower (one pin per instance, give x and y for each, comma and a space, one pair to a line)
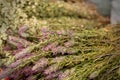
62, 49
21, 31
71, 51
27, 70
53, 75
40, 64
16, 51
19, 61
13, 42
58, 59
5, 73
24, 52
58, 50
66, 73
7, 48
21, 73
15, 64
49, 47
18, 42
51, 69
31, 78
22, 55
54, 51
45, 31
62, 76
69, 44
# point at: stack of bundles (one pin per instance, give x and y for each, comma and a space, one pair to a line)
56, 40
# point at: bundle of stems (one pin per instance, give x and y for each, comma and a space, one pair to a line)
57, 40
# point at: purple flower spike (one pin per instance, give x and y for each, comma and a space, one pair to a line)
49, 47
65, 74
15, 64
59, 49
54, 51
18, 42
58, 59
51, 69
5, 73
24, 52
7, 48
44, 31
21, 31
69, 44
31, 78
16, 51
40, 64
53, 75
23, 72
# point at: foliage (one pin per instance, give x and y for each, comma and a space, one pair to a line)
57, 40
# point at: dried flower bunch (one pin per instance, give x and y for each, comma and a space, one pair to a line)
57, 40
